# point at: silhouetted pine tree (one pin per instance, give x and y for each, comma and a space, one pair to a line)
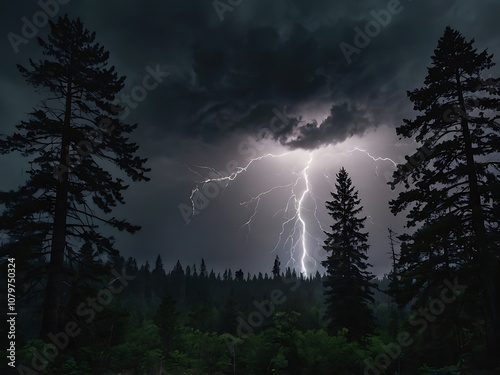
276, 267
238, 275
158, 278
195, 272
203, 268
177, 280
348, 283
450, 192
68, 135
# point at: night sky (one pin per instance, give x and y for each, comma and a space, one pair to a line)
247, 80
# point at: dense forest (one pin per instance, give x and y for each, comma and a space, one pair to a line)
83, 308
191, 318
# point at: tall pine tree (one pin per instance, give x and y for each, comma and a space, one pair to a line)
348, 283
450, 193
276, 267
68, 193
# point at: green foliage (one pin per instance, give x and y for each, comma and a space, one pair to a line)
324, 354
167, 317
178, 361
140, 351
206, 351
71, 367
296, 352
446, 370
64, 363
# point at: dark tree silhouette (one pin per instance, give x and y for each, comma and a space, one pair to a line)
348, 283
68, 192
276, 267
238, 275
158, 277
203, 268
195, 271
450, 193
159, 266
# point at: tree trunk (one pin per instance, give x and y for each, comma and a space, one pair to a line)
485, 260
56, 266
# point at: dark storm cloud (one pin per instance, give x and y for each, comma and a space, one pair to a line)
265, 55
342, 123
227, 76
237, 80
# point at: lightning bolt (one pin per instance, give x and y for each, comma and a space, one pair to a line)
305, 253
294, 208
257, 200
373, 157
294, 228
295, 233
218, 177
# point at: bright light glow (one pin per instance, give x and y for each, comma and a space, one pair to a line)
305, 253
296, 229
